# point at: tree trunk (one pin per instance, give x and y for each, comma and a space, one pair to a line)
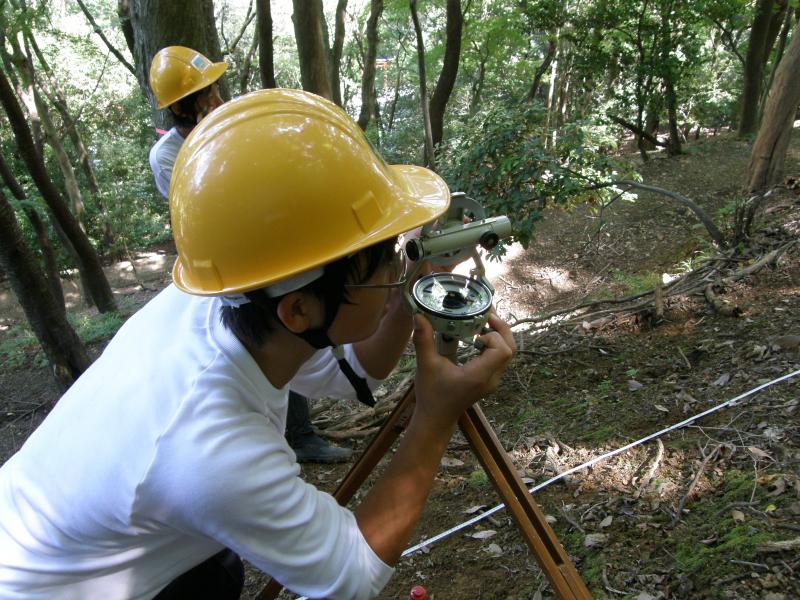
769, 150
88, 263
307, 18
266, 64
674, 145
784, 34
160, 23
60, 343
423, 88
57, 99
368, 94
248, 62
754, 67
540, 70
476, 88
124, 14
447, 78
336, 51
48, 254
779, 10
67, 172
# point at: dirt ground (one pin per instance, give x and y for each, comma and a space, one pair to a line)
710, 510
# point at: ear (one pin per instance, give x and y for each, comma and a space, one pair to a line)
298, 311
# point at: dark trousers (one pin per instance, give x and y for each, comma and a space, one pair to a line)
221, 577
298, 420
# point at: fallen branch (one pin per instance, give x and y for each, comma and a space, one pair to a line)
780, 546
709, 457
719, 305
713, 230
348, 434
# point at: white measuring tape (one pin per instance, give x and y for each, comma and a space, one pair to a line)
596, 460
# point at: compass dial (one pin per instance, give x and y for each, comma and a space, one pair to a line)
452, 296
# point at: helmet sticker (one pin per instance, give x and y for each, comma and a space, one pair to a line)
199, 61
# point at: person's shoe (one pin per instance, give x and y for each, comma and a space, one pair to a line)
310, 448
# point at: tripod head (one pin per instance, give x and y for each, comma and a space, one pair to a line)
457, 306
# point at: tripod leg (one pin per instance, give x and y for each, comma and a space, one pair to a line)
394, 425
542, 540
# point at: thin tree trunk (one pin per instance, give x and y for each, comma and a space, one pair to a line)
447, 78
336, 51
552, 87
68, 173
307, 18
671, 98
61, 345
248, 18
476, 88
423, 88
89, 263
266, 64
769, 150
540, 70
754, 68
368, 94
248, 62
56, 98
787, 26
124, 14
48, 254
109, 45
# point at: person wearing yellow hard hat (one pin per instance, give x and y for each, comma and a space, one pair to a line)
287, 275
185, 81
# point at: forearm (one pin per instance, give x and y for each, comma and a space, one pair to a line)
390, 510
379, 354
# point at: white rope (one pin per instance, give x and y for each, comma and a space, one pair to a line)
596, 460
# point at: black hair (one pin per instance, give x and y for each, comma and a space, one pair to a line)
187, 114
252, 322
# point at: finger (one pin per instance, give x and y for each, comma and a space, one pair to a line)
423, 340
504, 330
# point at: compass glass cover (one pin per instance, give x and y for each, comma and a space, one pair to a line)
451, 295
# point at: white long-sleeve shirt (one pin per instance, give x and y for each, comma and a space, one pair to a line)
162, 159
169, 448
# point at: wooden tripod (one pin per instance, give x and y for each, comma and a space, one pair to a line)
540, 537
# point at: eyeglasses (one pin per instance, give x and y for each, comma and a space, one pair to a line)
398, 274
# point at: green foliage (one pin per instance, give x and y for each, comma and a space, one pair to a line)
20, 346
511, 163
733, 540
636, 283
18, 342
478, 479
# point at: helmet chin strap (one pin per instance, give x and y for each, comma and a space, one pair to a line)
318, 338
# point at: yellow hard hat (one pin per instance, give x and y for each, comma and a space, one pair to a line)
176, 72
279, 182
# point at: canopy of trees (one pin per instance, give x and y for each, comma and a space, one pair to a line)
520, 103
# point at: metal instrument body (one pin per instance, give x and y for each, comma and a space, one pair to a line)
457, 306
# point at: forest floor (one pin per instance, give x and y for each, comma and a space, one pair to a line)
709, 510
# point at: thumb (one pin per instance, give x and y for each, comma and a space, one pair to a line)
423, 339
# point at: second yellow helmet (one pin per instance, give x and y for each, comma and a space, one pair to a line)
177, 71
